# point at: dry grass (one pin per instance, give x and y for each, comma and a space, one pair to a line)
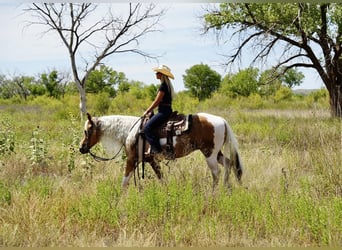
291, 193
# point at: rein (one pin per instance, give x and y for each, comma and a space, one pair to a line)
98, 158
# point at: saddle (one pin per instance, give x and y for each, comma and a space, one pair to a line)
176, 125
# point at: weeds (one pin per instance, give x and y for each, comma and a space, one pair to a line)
7, 137
38, 149
5, 194
291, 193
72, 146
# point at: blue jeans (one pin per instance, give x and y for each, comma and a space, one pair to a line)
156, 121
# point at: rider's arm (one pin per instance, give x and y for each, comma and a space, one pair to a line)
156, 102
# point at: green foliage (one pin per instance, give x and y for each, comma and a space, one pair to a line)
243, 83
201, 81
268, 84
290, 196
152, 90
38, 186
71, 146
218, 100
295, 27
102, 103
268, 15
7, 136
100, 207
255, 101
134, 102
319, 95
38, 149
21, 86
292, 78
284, 93
250, 82
105, 79
185, 103
51, 83
5, 194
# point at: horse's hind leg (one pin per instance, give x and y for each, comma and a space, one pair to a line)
224, 161
215, 171
156, 168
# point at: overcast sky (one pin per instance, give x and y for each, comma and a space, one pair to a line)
26, 52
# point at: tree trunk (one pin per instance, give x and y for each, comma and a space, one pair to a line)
83, 102
335, 95
83, 97
334, 87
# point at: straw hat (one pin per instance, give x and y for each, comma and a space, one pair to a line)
165, 70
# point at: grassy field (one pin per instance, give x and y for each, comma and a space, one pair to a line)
50, 195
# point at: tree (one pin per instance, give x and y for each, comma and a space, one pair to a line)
104, 79
22, 84
295, 29
81, 29
292, 77
36, 89
53, 84
201, 81
6, 89
270, 80
268, 84
243, 83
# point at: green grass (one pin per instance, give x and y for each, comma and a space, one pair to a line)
291, 192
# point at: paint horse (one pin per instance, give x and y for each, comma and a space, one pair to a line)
208, 133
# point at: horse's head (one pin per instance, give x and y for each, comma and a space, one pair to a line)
91, 135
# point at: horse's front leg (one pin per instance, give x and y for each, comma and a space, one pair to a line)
130, 165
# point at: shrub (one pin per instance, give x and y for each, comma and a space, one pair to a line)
102, 103
5, 194
38, 150
7, 137
284, 93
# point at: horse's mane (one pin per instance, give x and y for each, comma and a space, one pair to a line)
115, 129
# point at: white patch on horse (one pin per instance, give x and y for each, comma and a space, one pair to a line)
125, 180
219, 130
115, 130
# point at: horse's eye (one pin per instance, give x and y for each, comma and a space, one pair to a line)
86, 133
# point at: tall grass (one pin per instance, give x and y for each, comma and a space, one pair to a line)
291, 192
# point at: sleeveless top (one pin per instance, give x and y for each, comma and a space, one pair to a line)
166, 102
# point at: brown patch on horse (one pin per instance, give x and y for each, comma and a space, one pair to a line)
96, 133
196, 138
130, 161
92, 134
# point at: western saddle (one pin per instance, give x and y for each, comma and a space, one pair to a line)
176, 125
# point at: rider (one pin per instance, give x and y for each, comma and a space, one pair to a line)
163, 101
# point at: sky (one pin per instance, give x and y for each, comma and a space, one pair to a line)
24, 51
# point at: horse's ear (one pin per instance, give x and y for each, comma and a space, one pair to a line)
89, 117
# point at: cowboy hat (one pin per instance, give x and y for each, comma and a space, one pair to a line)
165, 70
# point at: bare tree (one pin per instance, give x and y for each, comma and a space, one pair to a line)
84, 27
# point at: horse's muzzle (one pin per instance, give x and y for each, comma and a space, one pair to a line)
84, 149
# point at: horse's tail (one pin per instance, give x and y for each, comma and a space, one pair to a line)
232, 145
